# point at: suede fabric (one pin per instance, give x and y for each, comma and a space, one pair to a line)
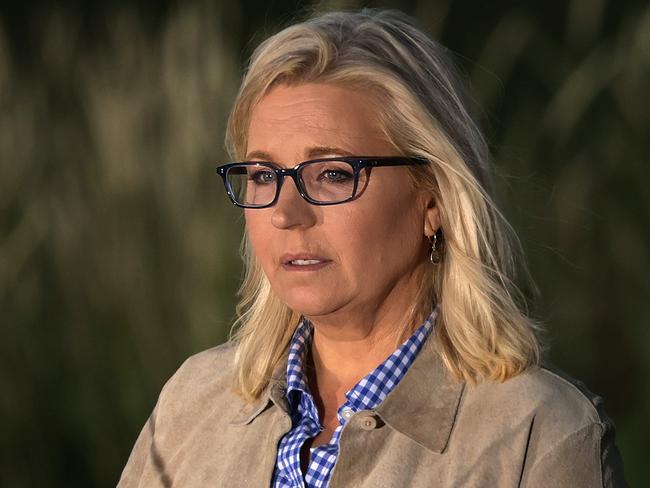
539, 429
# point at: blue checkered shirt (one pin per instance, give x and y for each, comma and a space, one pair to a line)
365, 395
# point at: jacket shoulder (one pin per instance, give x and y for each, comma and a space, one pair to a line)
210, 364
569, 393
556, 402
562, 399
193, 406
562, 423
206, 375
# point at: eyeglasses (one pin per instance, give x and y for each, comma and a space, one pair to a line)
327, 181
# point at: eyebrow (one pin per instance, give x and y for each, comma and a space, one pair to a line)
312, 153
318, 151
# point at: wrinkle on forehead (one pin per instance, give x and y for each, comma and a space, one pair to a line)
315, 115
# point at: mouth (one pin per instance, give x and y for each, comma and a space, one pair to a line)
303, 262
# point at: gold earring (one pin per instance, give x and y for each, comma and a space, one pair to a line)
434, 254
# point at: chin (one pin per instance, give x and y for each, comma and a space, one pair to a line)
311, 303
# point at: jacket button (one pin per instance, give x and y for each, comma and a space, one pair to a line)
369, 423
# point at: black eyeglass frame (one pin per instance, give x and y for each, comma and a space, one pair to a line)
357, 162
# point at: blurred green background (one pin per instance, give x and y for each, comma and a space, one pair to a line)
119, 250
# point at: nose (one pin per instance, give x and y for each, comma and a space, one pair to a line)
291, 210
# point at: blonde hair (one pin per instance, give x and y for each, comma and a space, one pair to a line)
481, 332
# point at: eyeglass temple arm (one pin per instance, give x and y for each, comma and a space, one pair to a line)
396, 161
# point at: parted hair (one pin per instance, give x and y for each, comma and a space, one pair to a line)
483, 331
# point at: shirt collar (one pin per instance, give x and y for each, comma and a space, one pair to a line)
371, 390
297, 358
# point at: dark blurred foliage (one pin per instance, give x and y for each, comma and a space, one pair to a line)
119, 251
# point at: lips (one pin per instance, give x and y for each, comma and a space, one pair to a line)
303, 261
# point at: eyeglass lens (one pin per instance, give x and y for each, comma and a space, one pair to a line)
323, 182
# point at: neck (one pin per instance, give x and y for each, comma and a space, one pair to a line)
336, 364
339, 364
346, 346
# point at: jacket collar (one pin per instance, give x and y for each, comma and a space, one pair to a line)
274, 393
423, 405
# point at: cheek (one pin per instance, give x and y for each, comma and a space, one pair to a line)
259, 231
385, 238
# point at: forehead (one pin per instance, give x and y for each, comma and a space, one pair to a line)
290, 119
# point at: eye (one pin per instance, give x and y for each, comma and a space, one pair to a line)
335, 175
262, 177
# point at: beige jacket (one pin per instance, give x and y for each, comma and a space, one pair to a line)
536, 430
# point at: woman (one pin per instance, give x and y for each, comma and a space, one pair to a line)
379, 339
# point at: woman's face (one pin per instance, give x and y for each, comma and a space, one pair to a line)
348, 258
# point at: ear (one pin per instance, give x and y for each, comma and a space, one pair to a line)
431, 217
